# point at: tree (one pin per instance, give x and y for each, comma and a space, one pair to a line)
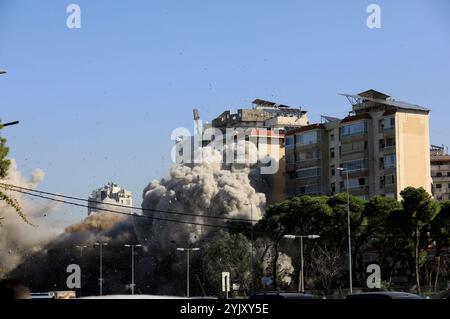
420, 209
4, 166
229, 253
327, 264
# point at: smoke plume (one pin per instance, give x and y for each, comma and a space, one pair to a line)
18, 239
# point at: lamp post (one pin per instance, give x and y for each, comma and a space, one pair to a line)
301, 282
187, 250
100, 280
252, 270
132, 264
348, 232
81, 247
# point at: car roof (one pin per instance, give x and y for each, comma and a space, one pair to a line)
387, 294
282, 295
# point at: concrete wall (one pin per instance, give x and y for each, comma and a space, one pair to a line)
413, 157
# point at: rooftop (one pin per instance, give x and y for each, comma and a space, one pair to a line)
381, 98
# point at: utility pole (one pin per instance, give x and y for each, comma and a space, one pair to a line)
252, 270
100, 280
301, 280
348, 233
81, 248
187, 250
132, 264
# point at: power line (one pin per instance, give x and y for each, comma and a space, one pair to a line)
119, 212
128, 207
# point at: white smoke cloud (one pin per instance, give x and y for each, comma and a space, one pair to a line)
18, 239
207, 188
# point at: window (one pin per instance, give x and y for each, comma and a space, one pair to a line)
382, 144
353, 147
289, 140
438, 185
333, 171
307, 138
290, 158
332, 152
308, 172
310, 189
308, 155
357, 165
389, 161
390, 142
439, 174
382, 181
448, 174
331, 137
333, 187
355, 182
448, 186
354, 129
390, 179
389, 123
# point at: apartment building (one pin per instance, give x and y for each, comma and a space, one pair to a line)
111, 193
383, 145
440, 173
264, 124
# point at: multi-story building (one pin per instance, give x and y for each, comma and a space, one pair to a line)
383, 145
265, 125
111, 193
440, 173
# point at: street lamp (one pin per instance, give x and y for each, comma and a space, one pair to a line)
187, 250
301, 282
348, 232
100, 280
132, 264
252, 272
81, 247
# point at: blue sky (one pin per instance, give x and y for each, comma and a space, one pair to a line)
99, 103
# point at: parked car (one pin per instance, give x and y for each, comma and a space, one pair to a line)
278, 295
384, 295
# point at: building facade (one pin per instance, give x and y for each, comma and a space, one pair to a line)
440, 173
383, 146
111, 193
264, 125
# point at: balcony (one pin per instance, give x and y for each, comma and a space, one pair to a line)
390, 188
348, 138
359, 190
443, 179
388, 149
308, 163
435, 168
388, 131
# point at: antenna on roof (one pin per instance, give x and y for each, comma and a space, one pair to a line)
196, 114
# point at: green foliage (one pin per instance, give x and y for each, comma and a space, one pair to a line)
4, 166
399, 233
228, 252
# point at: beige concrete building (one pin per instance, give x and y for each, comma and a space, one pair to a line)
440, 173
383, 145
265, 124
